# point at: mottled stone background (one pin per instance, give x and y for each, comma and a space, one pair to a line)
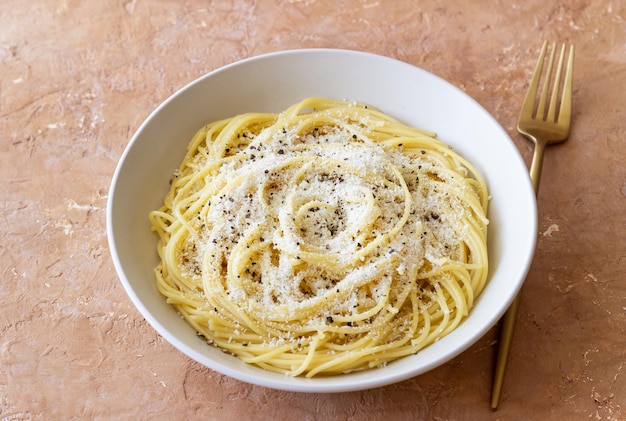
77, 78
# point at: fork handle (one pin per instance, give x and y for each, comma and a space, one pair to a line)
510, 317
506, 336
537, 163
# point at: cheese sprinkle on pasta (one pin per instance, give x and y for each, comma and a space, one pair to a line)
322, 240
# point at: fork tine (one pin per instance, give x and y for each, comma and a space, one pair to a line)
565, 111
556, 84
529, 101
541, 108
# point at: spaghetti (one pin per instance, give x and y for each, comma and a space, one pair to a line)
325, 239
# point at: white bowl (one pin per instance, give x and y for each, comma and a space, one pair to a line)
272, 82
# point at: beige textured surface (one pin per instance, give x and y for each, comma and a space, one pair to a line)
78, 77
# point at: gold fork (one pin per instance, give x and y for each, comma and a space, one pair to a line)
543, 126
